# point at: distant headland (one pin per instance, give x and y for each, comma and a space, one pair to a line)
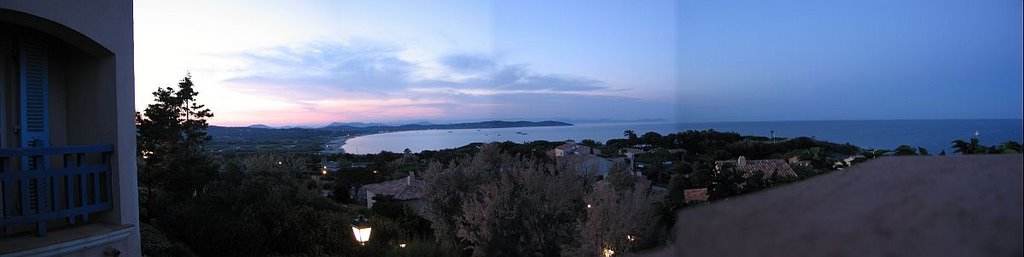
261, 137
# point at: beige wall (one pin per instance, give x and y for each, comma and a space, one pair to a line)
369, 199
97, 84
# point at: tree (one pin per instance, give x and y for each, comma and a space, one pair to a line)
904, 151
401, 214
590, 143
922, 151
629, 134
171, 133
341, 191
530, 210
972, 147
676, 185
448, 188
619, 220
652, 138
803, 171
494, 204
619, 177
727, 182
871, 154
264, 203
1011, 147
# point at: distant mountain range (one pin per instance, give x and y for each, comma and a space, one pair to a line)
425, 125
356, 124
578, 121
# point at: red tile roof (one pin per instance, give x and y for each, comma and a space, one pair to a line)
566, 146
769, 167
583, 149
399, 188
695, 195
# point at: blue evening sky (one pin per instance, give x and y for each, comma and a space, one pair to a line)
315, 62
827, 60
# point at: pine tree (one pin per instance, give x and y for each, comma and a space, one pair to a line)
171, 133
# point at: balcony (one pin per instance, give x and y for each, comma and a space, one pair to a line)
58, 186
65, 105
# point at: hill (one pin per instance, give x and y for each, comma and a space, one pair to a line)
260, 137
421, 126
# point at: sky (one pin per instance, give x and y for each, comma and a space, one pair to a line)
311, 63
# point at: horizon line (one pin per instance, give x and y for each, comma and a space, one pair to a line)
597, 121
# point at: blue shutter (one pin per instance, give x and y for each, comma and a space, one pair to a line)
35, 122
34, 86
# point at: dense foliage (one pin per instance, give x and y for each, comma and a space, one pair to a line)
496, 204
265, 203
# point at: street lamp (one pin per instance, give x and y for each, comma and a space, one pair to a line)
361, 229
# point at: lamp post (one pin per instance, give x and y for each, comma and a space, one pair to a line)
361, 229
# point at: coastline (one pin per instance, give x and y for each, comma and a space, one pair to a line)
934, 135
336, 145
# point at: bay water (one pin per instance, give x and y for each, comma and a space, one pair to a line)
934, 135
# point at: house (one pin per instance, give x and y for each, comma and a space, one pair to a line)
583, 158
565, 149
589, 163
408, 190
769, 168
582, 149
570, 148
695, 195
795, 160
848, 160
632, 152
67, 129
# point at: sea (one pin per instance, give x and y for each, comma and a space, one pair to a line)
933, 135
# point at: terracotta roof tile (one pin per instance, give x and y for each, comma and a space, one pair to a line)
399, 188
769, 167
695, 195
565, 146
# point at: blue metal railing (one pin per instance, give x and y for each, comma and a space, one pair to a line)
33, 192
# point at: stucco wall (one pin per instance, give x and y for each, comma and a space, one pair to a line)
108, 23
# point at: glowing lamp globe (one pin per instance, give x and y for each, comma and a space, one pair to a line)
361, 229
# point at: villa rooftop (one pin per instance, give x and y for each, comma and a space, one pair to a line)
402, 189
770, 167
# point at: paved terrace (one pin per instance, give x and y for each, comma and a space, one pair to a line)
893, 206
